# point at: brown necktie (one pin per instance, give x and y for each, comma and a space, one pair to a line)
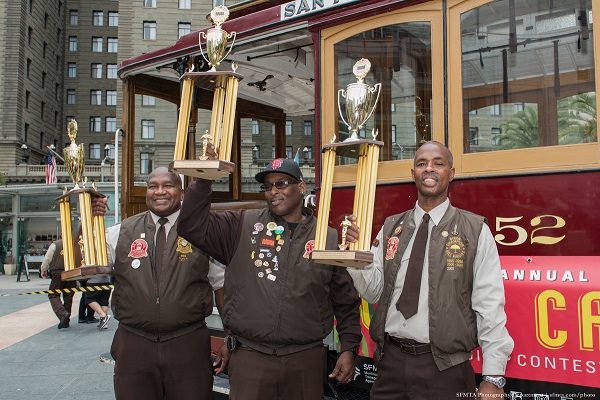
408, 303
159, 246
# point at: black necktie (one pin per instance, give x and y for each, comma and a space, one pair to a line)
159, 246
408, 303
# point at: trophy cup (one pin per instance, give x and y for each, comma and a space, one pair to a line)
92, 241
359, 108
224, 85
359, 99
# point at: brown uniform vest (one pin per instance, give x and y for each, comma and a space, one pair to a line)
181, 301
452, 321
58, 262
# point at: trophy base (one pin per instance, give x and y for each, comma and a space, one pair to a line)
343, 258
87, 272
206, 169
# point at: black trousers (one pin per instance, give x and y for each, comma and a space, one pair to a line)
402, 376
179, 368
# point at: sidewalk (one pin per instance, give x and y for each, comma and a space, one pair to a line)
38, 361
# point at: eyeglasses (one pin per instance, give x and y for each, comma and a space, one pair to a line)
266, 187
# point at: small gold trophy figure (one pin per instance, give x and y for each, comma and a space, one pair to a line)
360, 105
225, 85
92, 241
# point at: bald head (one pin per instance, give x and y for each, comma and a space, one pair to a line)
447, 153
164, 171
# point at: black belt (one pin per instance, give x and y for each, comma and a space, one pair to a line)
410, 346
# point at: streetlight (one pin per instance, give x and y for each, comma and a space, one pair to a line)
122, 133
26, 153
106, 159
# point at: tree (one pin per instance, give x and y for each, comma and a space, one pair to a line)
580, 124
521, 131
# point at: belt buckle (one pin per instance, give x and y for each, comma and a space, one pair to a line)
409, 348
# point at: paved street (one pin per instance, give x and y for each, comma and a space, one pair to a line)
38, 361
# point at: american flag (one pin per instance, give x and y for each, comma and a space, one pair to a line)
51, 169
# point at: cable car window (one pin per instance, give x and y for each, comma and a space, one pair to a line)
528, 75
400, 57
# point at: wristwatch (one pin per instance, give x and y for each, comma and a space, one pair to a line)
498, 381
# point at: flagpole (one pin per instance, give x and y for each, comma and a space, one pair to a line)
55, 154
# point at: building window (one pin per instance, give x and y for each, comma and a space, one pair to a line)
97, 18
43, 80
148, 101
58, 34
393, 107
519, 107
97, 44
94, 151
289, 150
57, 61
95, 124
56, 90
42, 140
29, 35
150, 3
495, 109
73, 17
307, 128
393, 134
113, 18
185, 4
255, 127
474, 135
272, 151
184, 28
256, 152
97, 71
145, 163
111, 125
147, 129
30, 6
288, 128
28, 68
111, 97
72, 67
71, 96
96, 97
55, 119
149, 30
26, 133
44, 49
42, 110
72, 43
112, 44
111, 71
495, 135
27, 95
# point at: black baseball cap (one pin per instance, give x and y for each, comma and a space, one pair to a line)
281, 166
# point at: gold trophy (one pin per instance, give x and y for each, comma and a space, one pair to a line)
224, 85
360, 105
92, 241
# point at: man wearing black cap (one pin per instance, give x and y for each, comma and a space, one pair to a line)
278, 306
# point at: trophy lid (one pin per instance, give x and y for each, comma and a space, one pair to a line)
361, 69
218, 15
72, 130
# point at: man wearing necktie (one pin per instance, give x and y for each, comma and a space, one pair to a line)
447, 295
163, 293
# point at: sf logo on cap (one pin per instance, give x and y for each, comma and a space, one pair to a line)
276, 163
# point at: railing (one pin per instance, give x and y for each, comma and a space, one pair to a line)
34, 173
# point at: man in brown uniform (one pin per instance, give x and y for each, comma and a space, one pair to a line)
54, 262
278, 305
162, 295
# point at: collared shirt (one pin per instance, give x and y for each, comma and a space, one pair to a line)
48, 258
216, 272
488, 293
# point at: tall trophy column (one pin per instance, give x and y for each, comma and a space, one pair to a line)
92, 240
361, 100
224, 85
